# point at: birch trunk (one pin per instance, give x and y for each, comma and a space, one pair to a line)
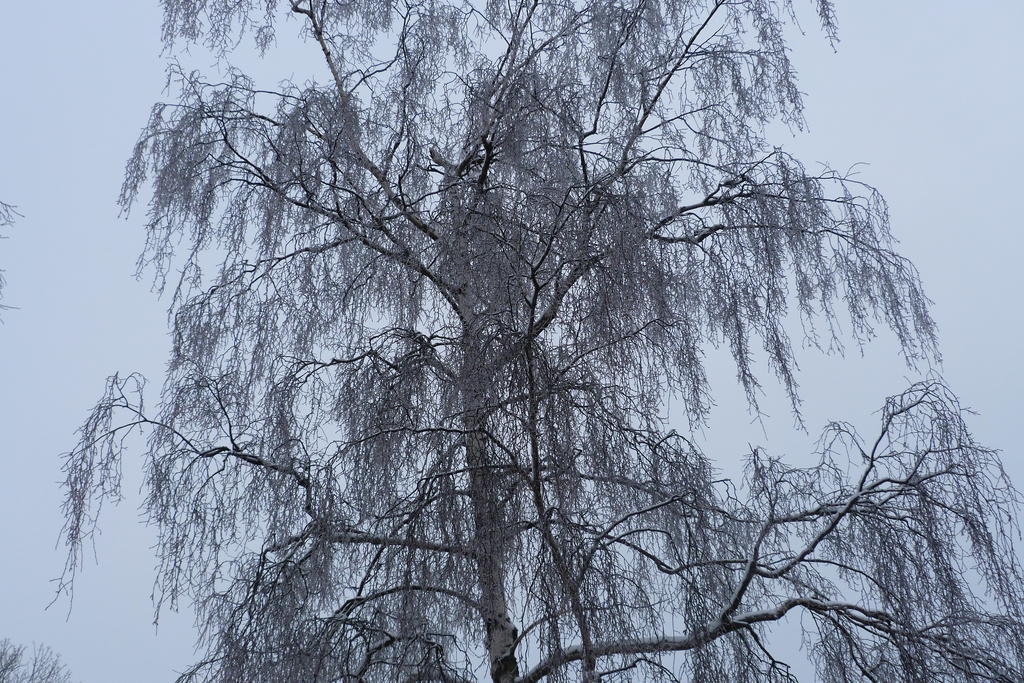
490, 528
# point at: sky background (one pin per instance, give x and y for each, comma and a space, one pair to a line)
927, 92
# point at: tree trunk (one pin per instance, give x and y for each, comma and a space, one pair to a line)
491, 537
491, 544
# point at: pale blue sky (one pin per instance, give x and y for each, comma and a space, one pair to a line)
928, 92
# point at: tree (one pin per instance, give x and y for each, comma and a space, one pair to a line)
429, 312
7, 216
44, 666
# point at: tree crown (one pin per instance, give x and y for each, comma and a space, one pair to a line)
413, 420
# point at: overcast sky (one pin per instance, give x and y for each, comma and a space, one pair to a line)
927, 92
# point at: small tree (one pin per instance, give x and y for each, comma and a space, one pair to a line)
413, 426
42, 666
7, 216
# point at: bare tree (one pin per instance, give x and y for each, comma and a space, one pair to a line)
414, 424
42, 666
7, 216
